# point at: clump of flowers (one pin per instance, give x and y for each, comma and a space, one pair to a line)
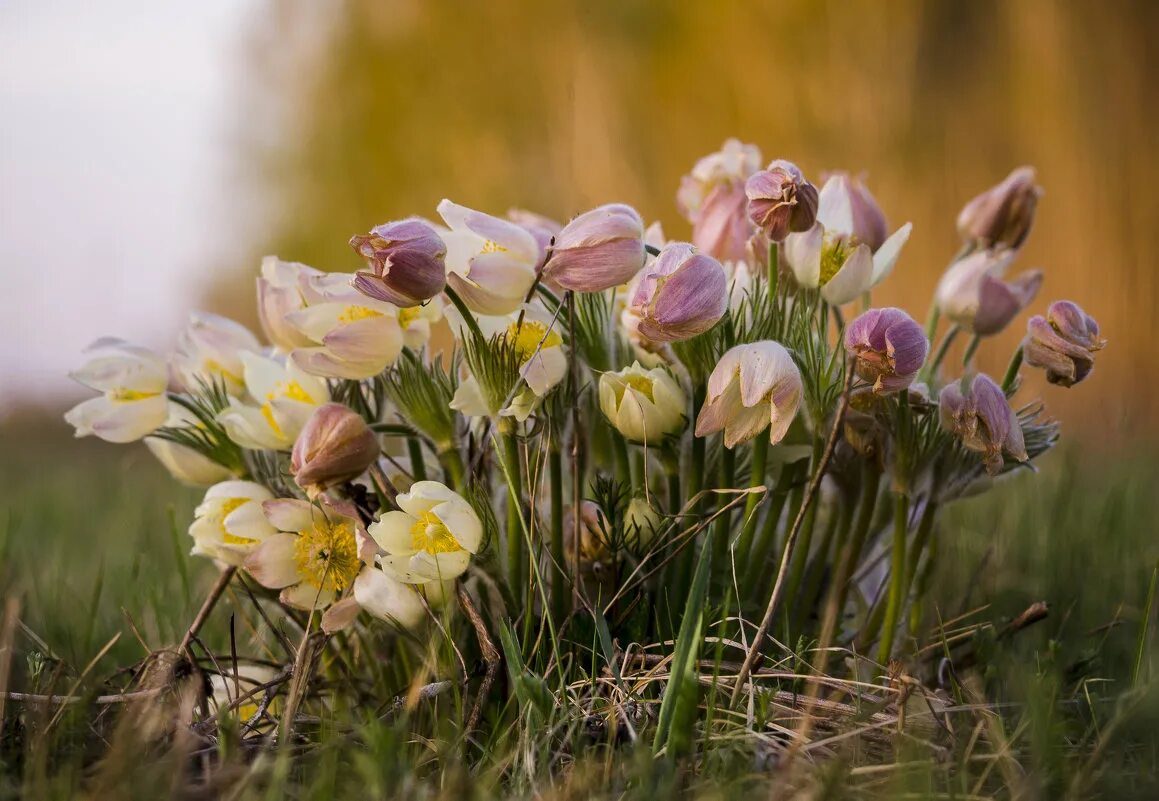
588, 433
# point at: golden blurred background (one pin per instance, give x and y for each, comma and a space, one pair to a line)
373, 110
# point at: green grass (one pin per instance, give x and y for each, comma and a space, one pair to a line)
93, 544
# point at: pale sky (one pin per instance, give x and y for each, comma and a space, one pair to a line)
115, 124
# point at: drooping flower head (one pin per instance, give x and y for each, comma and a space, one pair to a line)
980, 416
430, 537
1063, 343
335, 446
780, 200
888, 347
752, 387
974, 294
643, 405
491, 262
681, 294
598, 250
846, 252
1003, 214
712, 198
132, 381
406, 260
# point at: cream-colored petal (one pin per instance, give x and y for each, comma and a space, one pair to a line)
305, 596
289, 514
852, 279
886, 256
462, 522
388, 598
272, 563
392, 532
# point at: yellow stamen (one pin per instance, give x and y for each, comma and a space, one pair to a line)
526, 338
493, 247
834, 253
352, 314
429, 534
327, 555
640, 383
408, 316
121, 395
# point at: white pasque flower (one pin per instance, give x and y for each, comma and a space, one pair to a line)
846, 252
643, 405
229, 522
314, 556
431, 537
354, 336
282, 397
209, 351
132, 381
490, 262
752, 386
539, 349
183, 463
281, 290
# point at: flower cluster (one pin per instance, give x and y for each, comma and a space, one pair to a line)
606, 393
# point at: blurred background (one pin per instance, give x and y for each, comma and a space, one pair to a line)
150, 154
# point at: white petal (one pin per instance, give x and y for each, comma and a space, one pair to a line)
462, 522
886, 256
392, 532
272, 563
289, 514
852, 279
803, 254
304, 596
388, 598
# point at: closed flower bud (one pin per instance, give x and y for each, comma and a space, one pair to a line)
681, 294
781, 200
1002, 214
846, 208
973, 293
597, 562
1063, 343
335, 446
407, 261
712, 198
641, 522
981, 417
888, 347
643, 405
598, 250
753, 386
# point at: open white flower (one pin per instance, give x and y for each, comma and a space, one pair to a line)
282, 398
183, 463
752, 387
490, 262
209, 351
643, 405
354, 336
280, 292
314, 556
132, 381
846, 251
431, 538
229, 522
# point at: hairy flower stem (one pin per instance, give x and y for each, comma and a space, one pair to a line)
418, 467
760, 455
762, 547
623, 462
682, 565
932, 321
1012, 369
720, 529
468, 317
932, 368
453, 468
897, 578
800, 555
558, 558
851, 554
516, 562
971, 349
836, 533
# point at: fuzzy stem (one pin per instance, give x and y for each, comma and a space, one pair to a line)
682, 564
897, 578
762, 548
774, 271
756, 479
515, 550
418, 467
943, 349
453, 468
866, 505
720, 528
467, 315
801, 554
975, 341
932, 321
623, 462
558, 579
1012, 371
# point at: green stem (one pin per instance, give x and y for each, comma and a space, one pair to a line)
943, 349
720, 529
921, 538
623, 463
558, 581
1012, 371
515, 550
683, 562
453, 467
763, 546
897, 577
836, 534
418, 467
866, 506
932, 321
801, 552
975, 341
774, 273
756, 479
467, 315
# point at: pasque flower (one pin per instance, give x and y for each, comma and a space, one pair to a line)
406, 260
183, 463
780, 200
544, 229
1063, 343
846, 252
132, 381
752, 387
209, 352
352, 336
1003, 214
598, 250
974, 294
430, 537
334, 446
281, 290
281, 398
491, 262
712, 198
681, 294
643, 405
978, 413
314, 556
888, 347
229, 522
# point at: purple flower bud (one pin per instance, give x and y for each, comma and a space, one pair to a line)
335, 446
407, 261
781, 201
847, 209
681, 294
598, 250
973, 293
1063, 343
1002, 214
889, 348
981, 417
